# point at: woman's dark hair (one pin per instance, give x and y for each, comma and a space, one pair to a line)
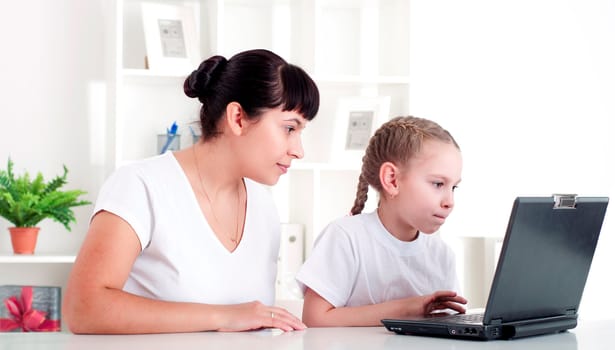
257, 80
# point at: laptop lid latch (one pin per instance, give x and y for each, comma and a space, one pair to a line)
564, 201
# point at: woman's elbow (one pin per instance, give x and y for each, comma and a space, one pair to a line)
77, 314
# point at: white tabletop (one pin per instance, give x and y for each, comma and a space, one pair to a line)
593, 335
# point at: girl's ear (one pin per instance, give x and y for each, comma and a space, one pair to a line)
389, 177
234, 118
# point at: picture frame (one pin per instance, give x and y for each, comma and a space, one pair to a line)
356, 120
171, 40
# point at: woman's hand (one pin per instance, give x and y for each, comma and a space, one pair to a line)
255, 315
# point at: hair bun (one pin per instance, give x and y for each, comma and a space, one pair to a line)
203, 77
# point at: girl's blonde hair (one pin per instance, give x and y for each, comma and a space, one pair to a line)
396, 141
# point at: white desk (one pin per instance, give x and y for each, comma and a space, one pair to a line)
594, 335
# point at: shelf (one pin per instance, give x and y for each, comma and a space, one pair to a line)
152, 78
351, 48
133, 72
36, 259
364, 80
321, 166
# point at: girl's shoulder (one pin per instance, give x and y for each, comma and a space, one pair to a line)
353, 223
350, 228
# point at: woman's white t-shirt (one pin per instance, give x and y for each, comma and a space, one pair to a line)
181, 258
356, 261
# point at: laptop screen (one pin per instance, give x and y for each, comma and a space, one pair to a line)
533, 279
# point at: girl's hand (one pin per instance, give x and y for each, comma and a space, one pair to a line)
442, 300
255, 315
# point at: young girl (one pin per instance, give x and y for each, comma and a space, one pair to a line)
188, 241
387, 264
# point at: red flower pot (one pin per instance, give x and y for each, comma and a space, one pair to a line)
23, 239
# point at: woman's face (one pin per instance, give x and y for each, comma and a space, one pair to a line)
271, 144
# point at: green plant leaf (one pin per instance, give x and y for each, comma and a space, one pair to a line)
25, 202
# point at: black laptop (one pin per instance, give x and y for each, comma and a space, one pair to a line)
541, 273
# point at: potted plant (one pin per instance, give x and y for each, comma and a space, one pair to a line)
25, 202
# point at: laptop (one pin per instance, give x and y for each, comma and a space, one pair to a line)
540, 276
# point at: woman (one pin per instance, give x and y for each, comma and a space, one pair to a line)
188, 240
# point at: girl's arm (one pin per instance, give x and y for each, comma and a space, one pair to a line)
94, 301
317, 312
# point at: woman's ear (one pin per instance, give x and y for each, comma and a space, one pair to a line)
389, 177
234, 118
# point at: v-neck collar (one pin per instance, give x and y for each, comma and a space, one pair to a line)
205, 224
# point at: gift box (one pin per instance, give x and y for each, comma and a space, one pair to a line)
30, 309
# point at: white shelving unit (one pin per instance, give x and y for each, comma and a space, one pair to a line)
36, 269
36, 259
352, 48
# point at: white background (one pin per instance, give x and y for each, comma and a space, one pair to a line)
526, 87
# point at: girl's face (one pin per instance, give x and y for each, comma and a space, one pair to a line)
271, 143
426, 186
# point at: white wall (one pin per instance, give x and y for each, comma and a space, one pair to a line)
527, 88
52, 102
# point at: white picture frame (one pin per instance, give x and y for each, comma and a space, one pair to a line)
356, 120
171, 40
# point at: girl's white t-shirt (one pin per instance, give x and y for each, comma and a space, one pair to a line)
356, 261
181, 258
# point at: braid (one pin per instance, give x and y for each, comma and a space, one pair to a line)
361, 197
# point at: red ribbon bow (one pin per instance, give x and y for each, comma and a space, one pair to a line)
24, 316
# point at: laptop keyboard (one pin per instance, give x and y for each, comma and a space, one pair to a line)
463, 318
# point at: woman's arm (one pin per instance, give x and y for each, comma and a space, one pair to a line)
317, 312
94, 301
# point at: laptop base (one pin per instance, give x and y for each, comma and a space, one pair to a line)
483, 332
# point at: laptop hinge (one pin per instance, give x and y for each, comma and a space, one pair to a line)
496, 321
571, 312
564, 201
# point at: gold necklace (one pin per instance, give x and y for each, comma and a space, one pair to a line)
237, 235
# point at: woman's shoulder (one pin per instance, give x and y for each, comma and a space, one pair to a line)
156, 166
164, 160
